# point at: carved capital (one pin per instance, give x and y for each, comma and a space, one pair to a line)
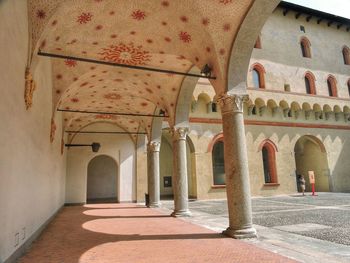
29, 88
232, 103
154, 146
179, 133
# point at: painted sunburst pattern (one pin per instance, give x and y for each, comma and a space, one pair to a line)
167, 35
125, 54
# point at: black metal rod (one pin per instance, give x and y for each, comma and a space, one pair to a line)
103, 132
123, 65
76, 145
114, 113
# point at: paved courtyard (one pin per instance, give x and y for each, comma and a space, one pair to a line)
306, 228
130, 233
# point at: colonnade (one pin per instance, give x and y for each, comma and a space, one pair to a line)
236, 169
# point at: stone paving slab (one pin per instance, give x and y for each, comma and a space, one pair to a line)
107, 233
302, 227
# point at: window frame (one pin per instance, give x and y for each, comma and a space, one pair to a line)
332, 86
312, 83
305, 46
271, 150
346, 55
257, 67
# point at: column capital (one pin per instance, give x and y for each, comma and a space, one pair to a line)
232, 102
179, 133
154, 146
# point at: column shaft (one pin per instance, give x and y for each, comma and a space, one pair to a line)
180, 184
153, 149
236, 168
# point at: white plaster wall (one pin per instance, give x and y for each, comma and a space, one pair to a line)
32, 170
119, 147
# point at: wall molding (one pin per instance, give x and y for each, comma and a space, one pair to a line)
272, 123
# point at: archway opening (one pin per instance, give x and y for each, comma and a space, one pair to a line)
102, 180
166, 168
310, 155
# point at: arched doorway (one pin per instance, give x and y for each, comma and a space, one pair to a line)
310, 155
102, 179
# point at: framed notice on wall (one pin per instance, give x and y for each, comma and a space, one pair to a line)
167, 181
311, 177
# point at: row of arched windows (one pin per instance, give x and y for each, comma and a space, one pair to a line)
268, 151
305, 46
258, 74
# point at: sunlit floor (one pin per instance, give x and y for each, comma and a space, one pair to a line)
130, 233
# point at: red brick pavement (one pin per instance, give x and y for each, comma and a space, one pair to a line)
104, 233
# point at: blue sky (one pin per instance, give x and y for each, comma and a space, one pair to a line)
336, 7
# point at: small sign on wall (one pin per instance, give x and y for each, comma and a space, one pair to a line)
311, 177
167, 181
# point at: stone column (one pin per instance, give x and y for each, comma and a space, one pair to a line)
236, 167
180, 184
153, 149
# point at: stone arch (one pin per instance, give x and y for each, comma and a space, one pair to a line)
271, 143
244, 43
216, 138
311, 155
102, 179
184, 100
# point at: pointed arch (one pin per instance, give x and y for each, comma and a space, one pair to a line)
346, 55
305, 46
310, 83
268, 150
332, 86
258, 72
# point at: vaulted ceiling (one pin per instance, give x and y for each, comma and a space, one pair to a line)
162, 34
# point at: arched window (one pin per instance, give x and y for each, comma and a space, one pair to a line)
346, 55
268, 150
218, 163
258, 43
310, 83
332, 86
305, 46
258, 73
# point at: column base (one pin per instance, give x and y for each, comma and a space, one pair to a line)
181, 214
154, 205
241, 233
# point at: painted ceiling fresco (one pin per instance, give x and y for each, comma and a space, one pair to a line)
164, 34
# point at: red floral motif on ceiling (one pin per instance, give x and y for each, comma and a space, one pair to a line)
125, 54
225, 2
185, 37
105, 117
84, 18
112, 96
70, 63
138, 15
40, 14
